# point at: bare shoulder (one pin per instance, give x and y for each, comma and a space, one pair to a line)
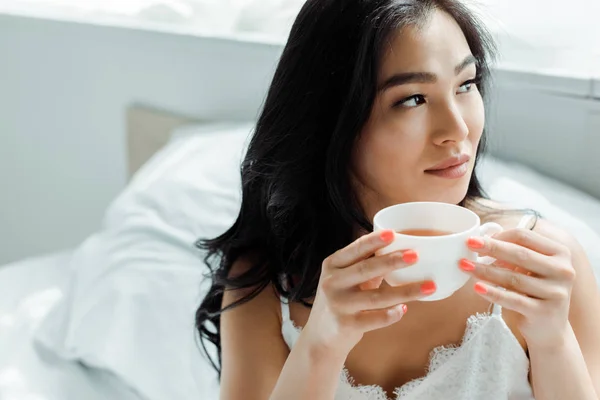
255, 305
585, 281
266, 299
253, 349
504, 214
585, 293
509, 217
559, 235
584, 308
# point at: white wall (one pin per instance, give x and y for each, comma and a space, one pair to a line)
64, 88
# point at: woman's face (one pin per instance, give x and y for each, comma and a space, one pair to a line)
427, 115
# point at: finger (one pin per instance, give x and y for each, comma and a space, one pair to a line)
535, 242
513, 267
375, 267
377, 319
371, 284
531, 240
361, 248
512, 280
513, 301
514, 254
355, 300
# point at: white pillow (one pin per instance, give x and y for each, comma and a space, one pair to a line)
136, 284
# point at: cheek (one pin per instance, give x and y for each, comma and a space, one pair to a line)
367, 158
475, 119
387, 151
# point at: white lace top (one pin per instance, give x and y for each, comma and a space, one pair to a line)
489, 364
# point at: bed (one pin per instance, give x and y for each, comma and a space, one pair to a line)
30, 288
27, 290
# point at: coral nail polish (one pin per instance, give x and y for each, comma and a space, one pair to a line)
410, 256
428, 287
404, 308
386, 236
479, 288
467, 265
476, 243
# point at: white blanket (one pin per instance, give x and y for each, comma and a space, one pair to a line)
28, 289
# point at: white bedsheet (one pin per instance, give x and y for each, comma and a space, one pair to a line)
28, 289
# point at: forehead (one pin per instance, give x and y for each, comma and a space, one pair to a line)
436, 46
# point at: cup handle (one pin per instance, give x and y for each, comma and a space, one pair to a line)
488, 229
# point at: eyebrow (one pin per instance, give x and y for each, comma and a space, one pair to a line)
422, 77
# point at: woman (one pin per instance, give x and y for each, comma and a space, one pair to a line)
370, 103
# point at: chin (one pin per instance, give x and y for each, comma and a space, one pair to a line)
453, 194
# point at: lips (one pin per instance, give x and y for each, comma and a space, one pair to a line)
450, 162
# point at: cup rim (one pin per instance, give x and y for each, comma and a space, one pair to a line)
441, 237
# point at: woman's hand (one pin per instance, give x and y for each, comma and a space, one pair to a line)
350, 300
538, 276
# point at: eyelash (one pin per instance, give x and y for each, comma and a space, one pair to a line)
400, 103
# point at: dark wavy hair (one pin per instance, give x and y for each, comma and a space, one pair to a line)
298, 206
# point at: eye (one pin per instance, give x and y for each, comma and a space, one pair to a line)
410, 102
468, 85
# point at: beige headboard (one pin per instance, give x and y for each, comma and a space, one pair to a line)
148, 129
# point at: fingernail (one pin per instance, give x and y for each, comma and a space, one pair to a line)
480, 288
410, 256
386, 236
428, 287
404, 308
476, 243
466, 265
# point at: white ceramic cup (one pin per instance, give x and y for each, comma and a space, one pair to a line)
438, 255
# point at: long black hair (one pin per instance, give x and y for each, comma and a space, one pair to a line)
298, 206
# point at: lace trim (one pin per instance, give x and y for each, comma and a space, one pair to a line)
441, 354
437, 357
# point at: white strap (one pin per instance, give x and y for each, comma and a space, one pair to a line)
285, 311
496, 308
526, 220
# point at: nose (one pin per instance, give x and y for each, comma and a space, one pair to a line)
451, 126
